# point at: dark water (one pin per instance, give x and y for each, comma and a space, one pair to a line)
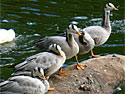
120, 89
35, 19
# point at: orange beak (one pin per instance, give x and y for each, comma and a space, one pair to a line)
60, 53
115, 9
43, 77
77, 32
51, 89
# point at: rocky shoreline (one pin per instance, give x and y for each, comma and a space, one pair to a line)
100, 76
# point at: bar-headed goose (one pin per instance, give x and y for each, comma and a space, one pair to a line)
84, 41
50, 61
6, 35
100, 34
26, 84
68, 43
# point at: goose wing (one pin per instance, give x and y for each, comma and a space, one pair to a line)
68, 45
43, 60
44, 43
95, 31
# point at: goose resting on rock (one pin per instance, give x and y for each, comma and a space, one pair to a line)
50, 62
100, 34
26, 84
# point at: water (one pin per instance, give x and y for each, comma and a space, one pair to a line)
35, 19
120, 89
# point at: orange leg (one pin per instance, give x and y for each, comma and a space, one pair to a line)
51, 89
79, 66
94, 56
62, 73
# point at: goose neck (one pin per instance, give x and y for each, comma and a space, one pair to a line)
106, 20
70, 39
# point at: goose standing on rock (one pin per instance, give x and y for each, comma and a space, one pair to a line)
100, 34
6, 35
68, 44
50, 62
26, 84
84, 41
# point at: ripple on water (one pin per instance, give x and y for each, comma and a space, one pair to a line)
33, 0
29, 8
53, 2
118, 26
120, 88
6, 21
15, 15
36, 13
4, 65
96, 19
25, 12
7, 47
113, 45
31, 23
74, 22
51, 15
80, 17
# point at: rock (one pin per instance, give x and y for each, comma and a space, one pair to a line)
99, 77
85, 87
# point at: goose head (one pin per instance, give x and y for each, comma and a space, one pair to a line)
73, 29
38, 72
82, 39
110, 7
56, 48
